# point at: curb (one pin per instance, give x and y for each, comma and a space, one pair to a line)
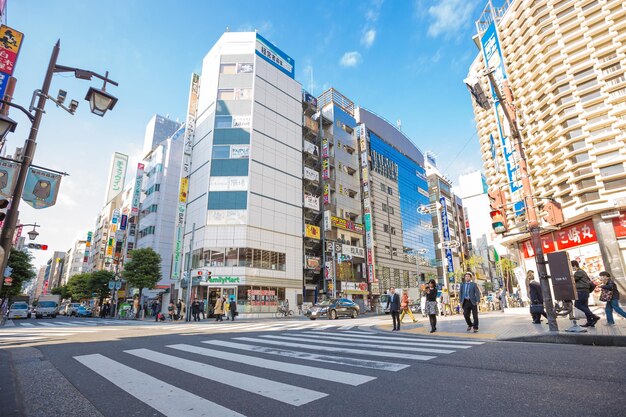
572, 339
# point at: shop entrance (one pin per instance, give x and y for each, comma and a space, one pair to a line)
215, 292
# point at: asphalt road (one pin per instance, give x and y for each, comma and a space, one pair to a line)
148, 371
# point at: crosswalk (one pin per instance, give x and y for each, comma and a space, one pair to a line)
252, 367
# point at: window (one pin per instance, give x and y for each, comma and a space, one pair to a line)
577, 145
615, 184
387, 250
590, 96
386, 228
586, 183
221, 152
389, 190
228, 69
229, 167
227, 200
226, 94
385, 207
611, 170
232, 257
587, 197
383, 187
223, 122
394, 251
233, 136
579, 158
217, 258
607, 157
393, 230
390, 210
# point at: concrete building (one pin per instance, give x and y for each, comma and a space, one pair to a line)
74, 260
158, 129
53, 273
157, 215
245, 186
564, 61
40, 281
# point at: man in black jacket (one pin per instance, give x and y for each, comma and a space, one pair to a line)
394, 308
536, 297
583, 285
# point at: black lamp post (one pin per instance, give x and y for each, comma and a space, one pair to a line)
100, 101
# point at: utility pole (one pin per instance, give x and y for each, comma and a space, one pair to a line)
529, 202
189, 278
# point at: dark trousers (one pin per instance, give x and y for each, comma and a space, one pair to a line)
232, 315
468, 308
537, 316
219, 317
583, 304
196, 316
395, 316
433, 321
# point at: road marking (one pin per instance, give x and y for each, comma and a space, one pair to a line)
10, 339
326, 326
163, 397
60, 323
304, 370
325, 340
385, 340
27, 324
417, 339
338, 349
278, 391
347, 327
361, 363
48, 325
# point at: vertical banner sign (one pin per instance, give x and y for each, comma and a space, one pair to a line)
137, 190
190, 131
446, 233
41, 188
87, 247
10, 43
367, 207
8, 177
494, 60
117, 176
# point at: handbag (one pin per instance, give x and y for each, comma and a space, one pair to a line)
606, 295
236, 313
592, 286
536, 308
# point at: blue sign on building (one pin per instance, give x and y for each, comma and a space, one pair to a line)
446, 233
269, 52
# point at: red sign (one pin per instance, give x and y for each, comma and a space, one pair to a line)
8, 280
576, 235
10, 42
619, 225
546, 241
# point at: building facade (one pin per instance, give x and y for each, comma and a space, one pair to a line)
157, 214
74, 263
565, 63
245, 185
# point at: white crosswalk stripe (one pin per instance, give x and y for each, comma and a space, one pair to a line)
268, 355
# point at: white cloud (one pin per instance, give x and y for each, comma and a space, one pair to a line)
449, 16
368, 38
350, 59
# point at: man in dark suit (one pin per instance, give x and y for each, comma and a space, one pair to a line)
469, 298
394, 308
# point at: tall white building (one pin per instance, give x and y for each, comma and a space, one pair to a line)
157, 216
158, 129
74, 260
245, 187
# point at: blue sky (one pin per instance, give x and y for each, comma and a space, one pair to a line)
402, 59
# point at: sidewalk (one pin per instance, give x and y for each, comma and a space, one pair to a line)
515, 326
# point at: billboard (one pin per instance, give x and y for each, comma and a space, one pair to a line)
311, 231
8, 177
117, 176
311, 174
137, 190
494, 60
277, 58
346, 224
41, 188
190, 132
311, 201
10, 43
310, 148
446, 233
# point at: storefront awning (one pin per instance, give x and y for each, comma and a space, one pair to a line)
356, 292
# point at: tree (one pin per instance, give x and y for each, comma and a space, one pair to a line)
63, 291
144, 269
99, 283
23, 271
507, 268
79, 286
473, 263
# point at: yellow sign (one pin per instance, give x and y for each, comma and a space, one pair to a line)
312, 231
10, 38
184, 186
346, 224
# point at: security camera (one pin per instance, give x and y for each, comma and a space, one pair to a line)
61, 96
73, 106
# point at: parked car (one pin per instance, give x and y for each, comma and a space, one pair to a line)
71, 309
334, 308
19, 311
83, 311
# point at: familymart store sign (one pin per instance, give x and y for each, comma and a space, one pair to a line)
219, 281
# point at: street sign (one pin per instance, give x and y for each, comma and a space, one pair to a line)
8, 281
111, 284
330, 244
118, 285
7, 271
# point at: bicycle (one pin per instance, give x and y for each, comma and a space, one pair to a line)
282, 313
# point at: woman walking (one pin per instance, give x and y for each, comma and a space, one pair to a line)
404, 306
610, 295
219, 309
431, 304
226, 308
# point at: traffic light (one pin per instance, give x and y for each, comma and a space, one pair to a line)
37, 246
4, 203
498, 221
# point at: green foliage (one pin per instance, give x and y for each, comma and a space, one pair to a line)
144, 270
63, 291
99, 283
23, 271
79, 286
473, 263
507, 268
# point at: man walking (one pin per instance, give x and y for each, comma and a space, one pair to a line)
394, 308
469, 298
583, 286
195, 310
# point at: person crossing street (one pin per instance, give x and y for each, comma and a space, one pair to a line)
404, 305
469, 298
393, 303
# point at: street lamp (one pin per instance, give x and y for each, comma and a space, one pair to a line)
32, 235
6, 125
102, 102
